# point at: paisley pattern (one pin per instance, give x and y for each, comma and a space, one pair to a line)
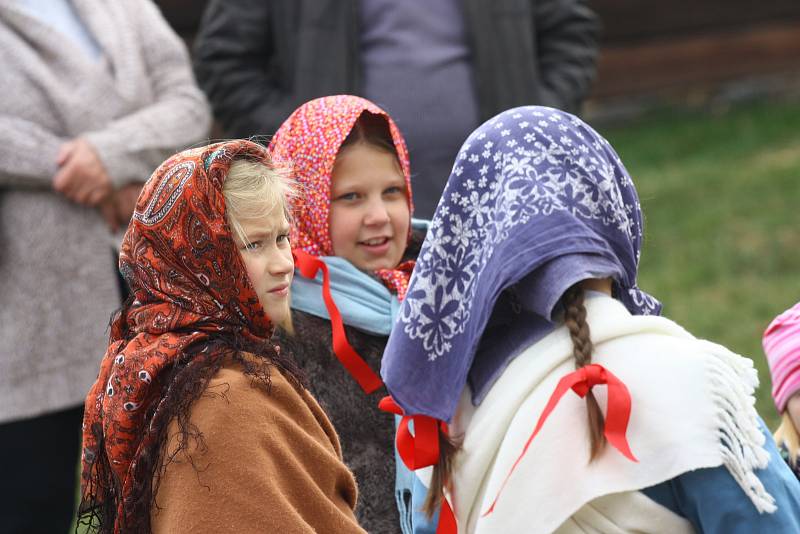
167, 192
310, 139
188, 282
528, 186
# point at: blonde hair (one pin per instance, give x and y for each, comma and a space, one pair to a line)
787, 436
253, 189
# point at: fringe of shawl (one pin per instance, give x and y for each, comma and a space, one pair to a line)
733, 381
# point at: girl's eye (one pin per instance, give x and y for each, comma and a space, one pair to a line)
253, 245
393, 190
283, 238
347, 196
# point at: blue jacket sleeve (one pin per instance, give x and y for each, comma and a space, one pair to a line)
714, 503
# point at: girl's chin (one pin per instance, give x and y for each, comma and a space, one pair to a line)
387, 261
381, 266
374, 262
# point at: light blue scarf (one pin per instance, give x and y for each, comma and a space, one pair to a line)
364, 302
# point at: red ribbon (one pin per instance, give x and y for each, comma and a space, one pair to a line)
581, 382
421, 449
309, 266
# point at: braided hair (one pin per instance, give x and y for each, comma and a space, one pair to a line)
582, 348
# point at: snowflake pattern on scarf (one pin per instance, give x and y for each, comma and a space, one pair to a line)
523, 166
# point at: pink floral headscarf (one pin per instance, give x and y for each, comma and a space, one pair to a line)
310, 139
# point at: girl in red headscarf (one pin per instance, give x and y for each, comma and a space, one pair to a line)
355, 250
197, 422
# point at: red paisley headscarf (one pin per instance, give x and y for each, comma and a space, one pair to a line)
310, 139
189, 285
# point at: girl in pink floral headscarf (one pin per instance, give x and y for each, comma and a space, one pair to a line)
355, 249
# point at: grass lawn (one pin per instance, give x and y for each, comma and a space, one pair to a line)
721, 197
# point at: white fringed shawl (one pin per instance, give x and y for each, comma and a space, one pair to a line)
693, 407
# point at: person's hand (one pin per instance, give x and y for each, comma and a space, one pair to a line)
125, 202
81, 176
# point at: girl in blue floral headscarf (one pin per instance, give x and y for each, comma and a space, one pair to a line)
524, 289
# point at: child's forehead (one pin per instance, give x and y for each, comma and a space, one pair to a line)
363, 161
273, 215
266, 225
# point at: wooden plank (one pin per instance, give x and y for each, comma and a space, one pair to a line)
670, 64
627, 21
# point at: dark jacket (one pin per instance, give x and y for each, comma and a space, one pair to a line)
258, 60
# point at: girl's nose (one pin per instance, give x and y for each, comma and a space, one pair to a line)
280, 263
377, 213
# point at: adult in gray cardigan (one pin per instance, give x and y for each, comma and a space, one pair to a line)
95, 94
439, 68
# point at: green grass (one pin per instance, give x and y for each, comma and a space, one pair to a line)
721, 197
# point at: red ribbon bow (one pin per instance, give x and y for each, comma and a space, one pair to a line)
309, 266
581, 382
421, 449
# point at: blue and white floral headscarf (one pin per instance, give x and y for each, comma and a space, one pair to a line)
537, 200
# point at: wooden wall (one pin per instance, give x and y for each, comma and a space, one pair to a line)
657, 46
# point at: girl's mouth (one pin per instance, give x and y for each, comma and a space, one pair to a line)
280, 291
377, 245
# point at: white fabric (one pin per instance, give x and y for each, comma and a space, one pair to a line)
620, 513
692, 404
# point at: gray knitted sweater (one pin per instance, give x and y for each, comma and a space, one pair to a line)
136, 107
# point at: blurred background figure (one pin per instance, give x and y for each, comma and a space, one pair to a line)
95, 95
440, 68
782, 347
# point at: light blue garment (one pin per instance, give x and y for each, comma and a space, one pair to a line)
363, 301
61, 16
712, 501
410, 494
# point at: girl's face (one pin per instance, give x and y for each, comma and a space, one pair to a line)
267, 256
793, 407
369, 216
